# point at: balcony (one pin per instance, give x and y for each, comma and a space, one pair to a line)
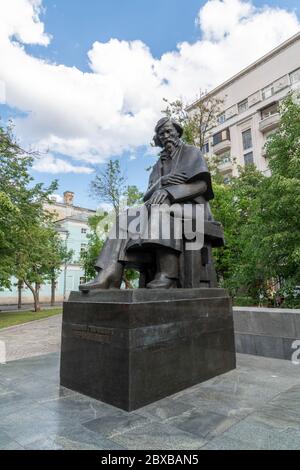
221, 146
269, 123
225, 166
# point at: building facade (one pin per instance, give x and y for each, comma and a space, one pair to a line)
72, 225
250, 108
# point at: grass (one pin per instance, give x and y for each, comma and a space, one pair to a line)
16, 318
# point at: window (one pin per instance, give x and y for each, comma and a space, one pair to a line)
82, 280
84, 230
243, 106
247, 139
83, 248
205, 148
220, 136
221, 118
227, 178
267, 92
217, 138
295, 76
225, 158
248, 158
269, 111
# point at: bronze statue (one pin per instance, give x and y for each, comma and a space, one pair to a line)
180, 176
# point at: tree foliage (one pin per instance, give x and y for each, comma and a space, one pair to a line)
31, 251
268, 214
95, 244
276, 214
109, 186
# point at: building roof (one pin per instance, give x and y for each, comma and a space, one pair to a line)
257, 63
62, 204
74, 218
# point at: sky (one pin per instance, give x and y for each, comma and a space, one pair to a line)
84, 82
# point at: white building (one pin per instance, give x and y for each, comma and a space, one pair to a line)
250, 108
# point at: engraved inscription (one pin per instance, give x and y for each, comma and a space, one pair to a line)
92, 333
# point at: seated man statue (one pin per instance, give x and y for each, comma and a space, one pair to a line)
180, 176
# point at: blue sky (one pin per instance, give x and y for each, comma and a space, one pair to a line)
74, 27
161, 24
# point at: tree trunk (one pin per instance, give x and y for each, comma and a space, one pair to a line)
35, 294
20, 284
127, 283
53, 292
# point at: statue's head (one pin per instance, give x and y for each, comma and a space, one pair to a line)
167, 133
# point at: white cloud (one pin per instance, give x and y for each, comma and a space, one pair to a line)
20, 20
57, 198
104, 207
91, 116
218, 19
2, 93
50, 164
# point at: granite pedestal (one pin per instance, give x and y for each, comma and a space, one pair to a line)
133, 347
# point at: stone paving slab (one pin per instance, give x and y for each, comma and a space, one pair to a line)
33, 338
255, 406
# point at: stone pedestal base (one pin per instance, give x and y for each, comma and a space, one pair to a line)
130, 348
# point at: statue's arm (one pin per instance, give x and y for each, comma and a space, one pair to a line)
151, 189
186, 191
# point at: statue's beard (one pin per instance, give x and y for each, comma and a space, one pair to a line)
171, 145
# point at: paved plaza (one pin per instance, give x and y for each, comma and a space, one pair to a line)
256, 406
33, 338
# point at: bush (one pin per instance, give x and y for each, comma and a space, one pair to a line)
244, 302
291, 302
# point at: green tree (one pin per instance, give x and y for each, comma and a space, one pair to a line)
30, 248
7, 213
235, 205
39, 257
95, 244
267, 220
277, 216
13, 176
133, 195
109, 186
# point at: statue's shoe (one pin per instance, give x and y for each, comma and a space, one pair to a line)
104, 280
161, 281
93, 285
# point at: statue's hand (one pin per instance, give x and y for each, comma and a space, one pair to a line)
159, 197
176, 178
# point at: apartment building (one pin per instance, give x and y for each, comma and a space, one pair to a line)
250, 108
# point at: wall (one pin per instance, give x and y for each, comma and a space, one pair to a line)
266, 332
